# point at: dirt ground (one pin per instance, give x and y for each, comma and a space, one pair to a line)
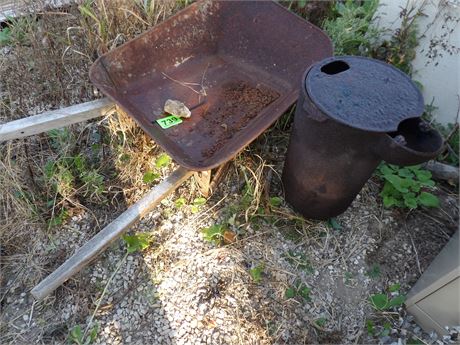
184, 290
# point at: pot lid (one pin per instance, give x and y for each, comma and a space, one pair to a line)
363, 93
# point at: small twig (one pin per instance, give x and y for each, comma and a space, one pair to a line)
135, 15
413, 246
31, 313
452, 132
187, 85
103, 294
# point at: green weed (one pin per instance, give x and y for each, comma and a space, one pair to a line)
275, 201
347, 277
214, 233
181, 202
298, 289
372, 329
197, 204
137, 242
77, 336
352, 32
150, 176
407, 187
256, 272
5, 36
374, 272
299, 260
334, 224
67, 175
383, 301
400, 49
162, 161
321, 322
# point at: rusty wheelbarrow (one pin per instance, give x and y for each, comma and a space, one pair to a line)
237, 64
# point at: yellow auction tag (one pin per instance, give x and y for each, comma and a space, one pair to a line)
169, 121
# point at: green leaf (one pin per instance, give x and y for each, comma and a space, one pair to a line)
256, 273
199, 201
93, 333
5, 36
385, 170
180, 202
374, 271
379, 301
385, 332
321, 322
162, 160
423, 175
137, 242
394, 287
304, 292
414, 168
80, 163
150, 176
416, 187
410, 200
334, 224
302, 3
405, 172
275, 201
76, 335
214, 233
429, 183
428, 199
96, 148
49, 169
124, 158
289, 293
397, 301
370, 327
58, 219
397, 182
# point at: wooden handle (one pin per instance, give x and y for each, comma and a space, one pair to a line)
111, 232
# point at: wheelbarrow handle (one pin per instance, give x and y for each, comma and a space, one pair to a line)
111, 232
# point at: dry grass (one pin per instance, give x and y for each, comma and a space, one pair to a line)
52, 50
134, 153
45, 67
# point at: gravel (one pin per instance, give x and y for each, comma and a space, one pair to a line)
184, 290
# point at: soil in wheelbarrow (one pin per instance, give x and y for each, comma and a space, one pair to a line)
225, 119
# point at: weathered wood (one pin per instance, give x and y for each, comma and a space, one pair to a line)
203, 178
442, 171
16, 8
218, 176
54, 119
110, 233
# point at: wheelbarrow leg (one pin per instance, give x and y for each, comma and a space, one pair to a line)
208, 180
111, 232
203, 179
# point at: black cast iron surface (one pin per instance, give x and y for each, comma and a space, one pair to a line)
328, 162
363, 93
239, 61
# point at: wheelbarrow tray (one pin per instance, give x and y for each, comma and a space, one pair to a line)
237, 64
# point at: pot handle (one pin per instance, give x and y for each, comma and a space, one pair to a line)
413, 143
